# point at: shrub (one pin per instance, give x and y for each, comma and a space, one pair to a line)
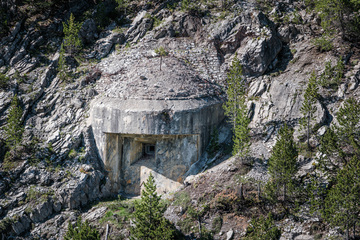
323, 43
4, 81
81, 231
14, 128
332, 76
262, 228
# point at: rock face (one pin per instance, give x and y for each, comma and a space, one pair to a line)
118, 118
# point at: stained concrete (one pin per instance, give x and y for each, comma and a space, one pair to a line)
140, 108
178, 132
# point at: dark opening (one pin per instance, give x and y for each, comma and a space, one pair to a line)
150, 149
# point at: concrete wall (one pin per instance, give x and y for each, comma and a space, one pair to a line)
173, 156
181, 129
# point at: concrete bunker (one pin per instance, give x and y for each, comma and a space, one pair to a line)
133, 143
158, 122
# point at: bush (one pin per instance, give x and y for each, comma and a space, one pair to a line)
262, 228
14, 128
4, 81
323, 43
81, 231
332, 76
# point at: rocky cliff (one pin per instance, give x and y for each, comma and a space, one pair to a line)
57, 172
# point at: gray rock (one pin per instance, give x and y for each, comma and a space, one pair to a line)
257, 88
354, 83
41, 212
258, 54
22, 225
230, 234
88, 31
287, 33
135, 31
103, 46
304, 237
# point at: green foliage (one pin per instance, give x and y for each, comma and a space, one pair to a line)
332, 75
72, 154
308, 107
5, 225
81, 231
262, 228
236, 87
236, 110
72, 42
214, 143
14, 128
182, 199
324, 43
242, 131
162, 53
63, 75
282, 166
341, 143
4, 81
148, 216
338, 15
342, 205
217, 224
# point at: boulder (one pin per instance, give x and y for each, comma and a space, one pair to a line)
258, 54
88, 31
104, 45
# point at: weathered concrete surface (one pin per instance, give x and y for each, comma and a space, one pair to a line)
179, 130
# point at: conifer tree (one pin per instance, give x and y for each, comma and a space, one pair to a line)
242, 131
148, 216
14, 128
308, 108
342, 205
236, 110
341, 142
62, 64
282, 165
348, 131
72, 41
235, 92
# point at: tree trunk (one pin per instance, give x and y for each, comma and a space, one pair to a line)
259, 191
354, 229
241, 191
199, 221
284, 193
308, 132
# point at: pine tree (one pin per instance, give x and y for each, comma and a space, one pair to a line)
342, 205
235, 92
338, 15
348, 131
308, 108
81, 231
62, 64
14, 129
282, 165
236, 110
148, 216
242, 131
72, 41
162, 53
